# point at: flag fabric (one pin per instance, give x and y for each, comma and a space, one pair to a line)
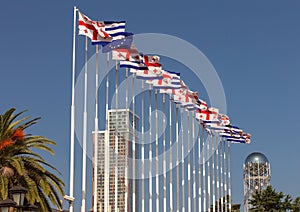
114, 29
209, 115
151, 61
236, 138
169, 81
201, 105
133, 66
224, 119
183, 100
181, 91
150, 74
129, 54
233, 129
123, 43
113, 38
92, 29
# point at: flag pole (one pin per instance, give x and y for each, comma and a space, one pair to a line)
177, 160
156, 151
106, 144
213, 174
84, 129
150, 150
229, 179
194, 150
182, 159
116, 142
165, 162
199, 167
127, 145
203, 170
221, 174
225, 176
189, 165
171, 158
133, 148
143, 146
72, 133
95, 199
218, 172
208, 175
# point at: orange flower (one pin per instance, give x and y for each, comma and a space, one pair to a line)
18, 135
6, 143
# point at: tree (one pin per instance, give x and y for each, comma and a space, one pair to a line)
20, 165
270, 200
296, 204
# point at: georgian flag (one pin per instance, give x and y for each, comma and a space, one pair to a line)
151, 61
234, 129
131, 54
133, 66
169, 81
181, 91
198, 105
224, 119
237, 138
150, 74
209, 115
95, 30
183, 100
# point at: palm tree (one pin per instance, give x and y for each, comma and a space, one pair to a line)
20, 165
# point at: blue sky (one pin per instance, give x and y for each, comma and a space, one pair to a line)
254, 47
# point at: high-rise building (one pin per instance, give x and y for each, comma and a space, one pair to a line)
257, 176
122, 134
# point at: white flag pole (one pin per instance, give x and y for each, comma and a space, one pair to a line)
208, 175
189, 165
229, 179
95, 197
199, 167
177, 161
84, 137
133, 149
182, 160
204, 153
164, 162
225, 176
218, 173
127, 146
116, 142
72, 133
213, 174
171, 158
143, 146
221, 175
194, 150
150, 150
156, 151
106, 144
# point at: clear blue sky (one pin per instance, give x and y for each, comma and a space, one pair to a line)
254, 47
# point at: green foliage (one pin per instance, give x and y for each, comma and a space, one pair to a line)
269, 200
20, 165
296, 204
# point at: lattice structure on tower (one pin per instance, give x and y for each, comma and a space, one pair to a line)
257, 176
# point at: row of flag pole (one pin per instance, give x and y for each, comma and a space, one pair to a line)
214, 169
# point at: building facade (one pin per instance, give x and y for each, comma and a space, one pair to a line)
122, 134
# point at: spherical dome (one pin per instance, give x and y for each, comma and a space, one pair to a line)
256, 157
